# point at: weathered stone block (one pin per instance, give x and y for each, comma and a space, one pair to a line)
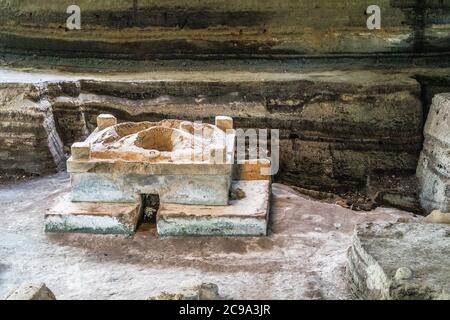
164, 158
403, 261
102, 218
106, 120
182, 189
81, 151
204, 291
32, 291
433, 170
224, 123
244, 217
252, 170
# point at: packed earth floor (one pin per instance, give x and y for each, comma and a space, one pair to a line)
303, 257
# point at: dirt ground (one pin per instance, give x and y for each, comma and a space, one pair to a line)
302, 258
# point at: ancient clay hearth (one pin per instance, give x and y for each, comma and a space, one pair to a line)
165, 141
183, 162
189, 165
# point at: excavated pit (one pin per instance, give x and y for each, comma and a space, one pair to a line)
353, 133
356, 133
340, 131
358, 111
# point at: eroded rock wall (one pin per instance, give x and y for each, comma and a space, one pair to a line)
434, 166
29, 142
335, 130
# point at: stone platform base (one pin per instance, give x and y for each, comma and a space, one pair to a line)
403, 261
245, 217
85, 217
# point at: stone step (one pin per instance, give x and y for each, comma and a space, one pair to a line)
85, 217
243, 217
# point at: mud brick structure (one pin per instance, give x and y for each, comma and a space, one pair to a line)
188, 165
182, 162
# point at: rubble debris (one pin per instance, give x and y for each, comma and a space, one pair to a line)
237, 194
32, 291
437, 217
204, 291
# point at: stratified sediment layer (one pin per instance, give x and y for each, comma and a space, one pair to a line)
29, 142
336, 128
165, 29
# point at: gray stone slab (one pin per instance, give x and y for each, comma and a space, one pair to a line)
182, 189
102, 218
433, 170
400, 261
32, 291
244, 217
